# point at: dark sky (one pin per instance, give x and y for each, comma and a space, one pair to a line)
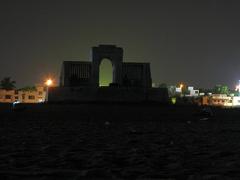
194, 41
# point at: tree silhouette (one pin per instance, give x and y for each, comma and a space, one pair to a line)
221, 89
7, 83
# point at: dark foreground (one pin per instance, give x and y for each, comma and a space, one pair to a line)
118, 142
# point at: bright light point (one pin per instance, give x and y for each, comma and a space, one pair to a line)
237, 88
49, 82
16, 102
181, 86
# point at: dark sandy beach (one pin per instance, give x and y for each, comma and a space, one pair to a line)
110, 141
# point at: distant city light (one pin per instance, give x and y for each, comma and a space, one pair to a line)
181, 86
16, 102
49, 82
238, 88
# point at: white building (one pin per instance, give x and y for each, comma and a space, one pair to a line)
236, 101
23, 96
193, 92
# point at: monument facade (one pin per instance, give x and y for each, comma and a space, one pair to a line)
75, 74
79, 80
125, 74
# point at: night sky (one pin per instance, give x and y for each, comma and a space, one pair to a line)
192, 41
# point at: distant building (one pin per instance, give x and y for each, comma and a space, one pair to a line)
193, 92
23, 96
8, 96
236, 100
178, 90
220, 100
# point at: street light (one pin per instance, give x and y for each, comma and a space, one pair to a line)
181, 86
48, 83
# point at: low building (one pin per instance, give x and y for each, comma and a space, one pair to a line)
8, 96
221, 100
236, 101
23, 96
193, 92
204, 101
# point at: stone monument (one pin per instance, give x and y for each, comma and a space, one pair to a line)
79, 80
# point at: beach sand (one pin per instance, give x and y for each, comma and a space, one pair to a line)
110, 141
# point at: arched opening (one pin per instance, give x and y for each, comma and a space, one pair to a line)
105, 73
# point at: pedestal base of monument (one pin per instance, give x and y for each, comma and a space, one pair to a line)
107, 94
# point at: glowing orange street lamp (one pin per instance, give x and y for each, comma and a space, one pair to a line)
181, 86
49, 82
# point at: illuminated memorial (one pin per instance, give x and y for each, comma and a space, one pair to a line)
79, 80
82, 73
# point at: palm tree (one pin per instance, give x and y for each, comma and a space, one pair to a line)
7, 83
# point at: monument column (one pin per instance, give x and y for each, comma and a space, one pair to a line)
96, 59
117, 71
